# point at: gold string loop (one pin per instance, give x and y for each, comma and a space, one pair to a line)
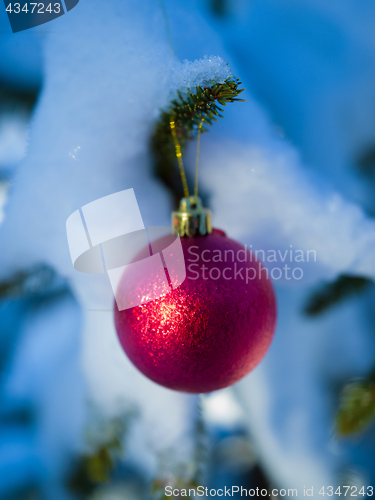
197, 157
167, 29
179, 159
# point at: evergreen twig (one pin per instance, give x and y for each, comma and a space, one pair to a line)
36, 281
357, 407
187, 112
334, 293
105, 441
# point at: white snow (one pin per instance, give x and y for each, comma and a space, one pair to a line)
201, 72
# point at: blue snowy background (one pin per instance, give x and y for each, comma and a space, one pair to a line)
293, 166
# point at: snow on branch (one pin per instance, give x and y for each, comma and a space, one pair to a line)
190, 110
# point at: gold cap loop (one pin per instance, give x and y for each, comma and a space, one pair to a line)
192, 219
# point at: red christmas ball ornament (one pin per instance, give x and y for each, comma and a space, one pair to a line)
216, 326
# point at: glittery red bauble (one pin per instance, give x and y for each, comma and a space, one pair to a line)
210, 331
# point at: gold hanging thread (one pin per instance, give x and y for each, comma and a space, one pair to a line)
167, 29
197, 158
179, 159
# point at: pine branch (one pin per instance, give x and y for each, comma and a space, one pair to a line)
38, 280
106, 441
219, 8
333, 293
357, 408
187, 112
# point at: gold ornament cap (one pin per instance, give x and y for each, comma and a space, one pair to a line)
191, 219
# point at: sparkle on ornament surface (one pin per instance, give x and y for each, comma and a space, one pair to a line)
166, 310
